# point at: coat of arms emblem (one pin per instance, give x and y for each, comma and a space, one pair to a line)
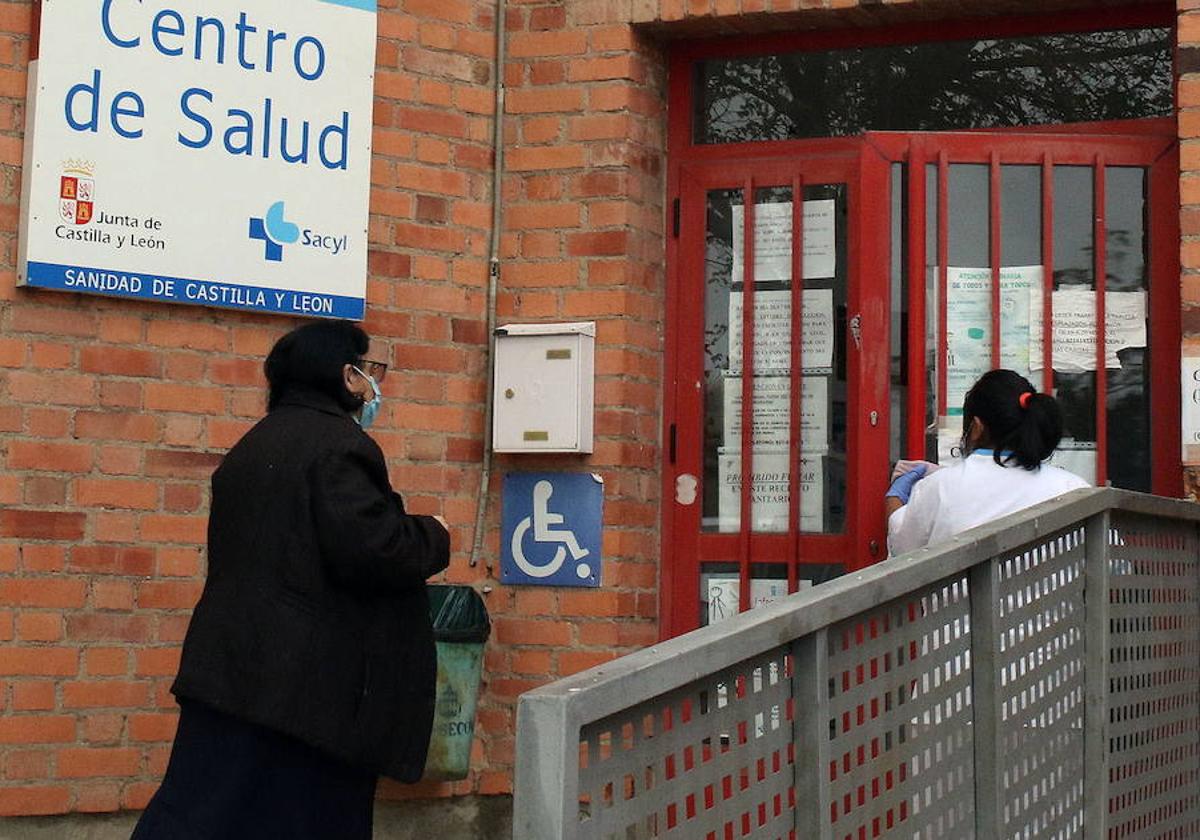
77, 192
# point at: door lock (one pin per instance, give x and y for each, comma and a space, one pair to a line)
874, 415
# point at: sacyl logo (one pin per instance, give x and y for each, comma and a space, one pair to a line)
275, 232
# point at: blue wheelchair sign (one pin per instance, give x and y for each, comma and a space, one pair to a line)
550, 529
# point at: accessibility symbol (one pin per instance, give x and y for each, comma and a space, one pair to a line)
551, 529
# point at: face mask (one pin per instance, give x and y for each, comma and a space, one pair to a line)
370, 409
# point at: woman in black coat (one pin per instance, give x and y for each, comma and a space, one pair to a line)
309, 665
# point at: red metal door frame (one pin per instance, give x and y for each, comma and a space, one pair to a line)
832, 161
686, 160
1154, 149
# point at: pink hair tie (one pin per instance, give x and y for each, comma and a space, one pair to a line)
1025, 398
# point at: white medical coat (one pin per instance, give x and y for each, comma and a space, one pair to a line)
970, 492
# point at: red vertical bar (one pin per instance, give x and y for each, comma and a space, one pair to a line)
747, 454
943, 257
916, 302
795, 456
1047, 272
1100, 242
994, 256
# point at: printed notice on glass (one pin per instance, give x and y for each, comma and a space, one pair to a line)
773, 241
772, 414
1190, 382
773, 331
723, 594
1076, 457
1074, 321
969, 325
770, 488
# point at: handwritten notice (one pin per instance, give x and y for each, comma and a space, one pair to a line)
1074, 322
969, 325
772, 411
773, 241
773, 331
770, 497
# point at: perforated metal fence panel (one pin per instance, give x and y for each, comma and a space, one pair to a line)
1039, 678
1154, 674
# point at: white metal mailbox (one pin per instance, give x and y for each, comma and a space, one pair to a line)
544, 381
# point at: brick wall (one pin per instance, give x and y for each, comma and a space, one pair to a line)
114, 413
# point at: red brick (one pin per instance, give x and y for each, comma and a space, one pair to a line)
153, 727
43, 592
179, 463
34, 800
157, 662
124, 425
540, 44
33, 695
37, 729
192, 336
106, 662
97, 761
115, 694
120, 361
168, 595
50, 457
108, 627
26, 764
60, 389
184, 398
515, 631
38, 661
137, 495
166, 528
40, 626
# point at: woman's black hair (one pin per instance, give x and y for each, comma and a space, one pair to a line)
1019, 424
312, 357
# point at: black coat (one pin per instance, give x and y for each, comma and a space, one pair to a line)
314, 620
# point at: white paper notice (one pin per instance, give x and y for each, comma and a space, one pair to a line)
1077, 458
723, 594
772, 412
773, 241
773, 331
770, 489
1190, 381
969, 325
1074, 321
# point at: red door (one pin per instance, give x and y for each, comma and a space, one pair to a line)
926, 259
779, 361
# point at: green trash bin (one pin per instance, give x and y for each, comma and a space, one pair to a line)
460, 628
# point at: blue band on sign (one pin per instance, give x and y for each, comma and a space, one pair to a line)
365, 5
116, 283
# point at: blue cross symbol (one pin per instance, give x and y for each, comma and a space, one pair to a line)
274, 232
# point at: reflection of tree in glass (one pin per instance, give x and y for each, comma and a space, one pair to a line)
1079, 77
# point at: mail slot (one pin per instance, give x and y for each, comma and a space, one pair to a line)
544, 387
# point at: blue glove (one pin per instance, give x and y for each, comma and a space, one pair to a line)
902, 487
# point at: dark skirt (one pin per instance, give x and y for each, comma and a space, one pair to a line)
232, 780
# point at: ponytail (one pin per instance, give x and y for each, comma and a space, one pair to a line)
1021, 425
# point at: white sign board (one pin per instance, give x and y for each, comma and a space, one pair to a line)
772, 411
214, 153
770, 490
773, 331
773, 241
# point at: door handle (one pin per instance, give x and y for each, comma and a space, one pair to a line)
856, 331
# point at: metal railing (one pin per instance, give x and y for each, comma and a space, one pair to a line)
976, 689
